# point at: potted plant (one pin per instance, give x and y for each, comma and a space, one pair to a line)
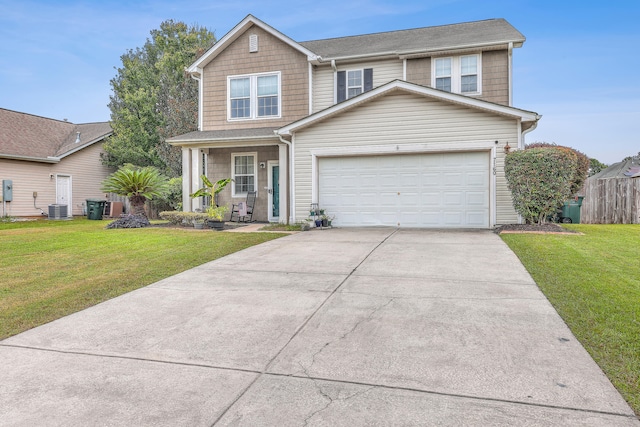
324, 220
215, 213
216, 217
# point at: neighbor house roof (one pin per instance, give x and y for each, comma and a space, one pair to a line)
629, 168
419, 40
28, 137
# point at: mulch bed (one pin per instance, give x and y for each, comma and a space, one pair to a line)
548, 228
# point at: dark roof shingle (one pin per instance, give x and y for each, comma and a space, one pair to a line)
23, 134
445, 37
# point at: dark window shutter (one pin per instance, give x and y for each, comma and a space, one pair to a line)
342, 86
368, 79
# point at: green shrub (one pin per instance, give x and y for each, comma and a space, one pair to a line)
582, 166
179, 218
540, 180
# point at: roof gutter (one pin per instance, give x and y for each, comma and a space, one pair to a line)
30, 158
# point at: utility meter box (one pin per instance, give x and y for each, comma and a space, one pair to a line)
7, 190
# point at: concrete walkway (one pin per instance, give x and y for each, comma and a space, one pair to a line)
337, 327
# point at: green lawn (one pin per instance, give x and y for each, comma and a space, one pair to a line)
593, 281
53, 268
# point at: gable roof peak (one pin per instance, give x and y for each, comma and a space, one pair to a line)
236, 32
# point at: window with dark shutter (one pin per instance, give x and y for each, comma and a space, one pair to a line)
351, 83
368, 79
342, 86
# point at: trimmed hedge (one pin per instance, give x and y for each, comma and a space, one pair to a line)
179, 218
540, 180
582, 168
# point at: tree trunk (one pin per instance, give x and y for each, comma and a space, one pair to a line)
137, 205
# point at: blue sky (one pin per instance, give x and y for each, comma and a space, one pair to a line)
578, 68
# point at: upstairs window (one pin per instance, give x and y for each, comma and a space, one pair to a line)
350, 83
458, 74
443, 74
255, 96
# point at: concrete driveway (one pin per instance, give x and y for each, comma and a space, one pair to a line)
352, 327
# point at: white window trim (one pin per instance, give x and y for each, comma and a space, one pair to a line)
233, 172
456, 73
346, 83
253, 96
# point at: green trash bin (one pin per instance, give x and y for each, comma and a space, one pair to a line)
571, 211
95, 207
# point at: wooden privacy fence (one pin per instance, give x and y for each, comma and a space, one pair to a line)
611, 201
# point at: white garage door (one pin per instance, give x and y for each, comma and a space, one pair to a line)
420, 190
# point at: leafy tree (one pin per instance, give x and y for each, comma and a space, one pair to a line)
596, 166
540, 180
154, 99
637, 156
138, 184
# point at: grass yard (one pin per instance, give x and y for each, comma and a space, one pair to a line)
54, 268
593, 281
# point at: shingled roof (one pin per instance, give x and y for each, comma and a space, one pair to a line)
427, 39
32, 137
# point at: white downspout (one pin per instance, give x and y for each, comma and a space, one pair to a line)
200, 97
292, 203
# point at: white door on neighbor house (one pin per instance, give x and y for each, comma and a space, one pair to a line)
420, 190
63, 192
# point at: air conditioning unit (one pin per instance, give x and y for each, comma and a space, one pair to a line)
58, 212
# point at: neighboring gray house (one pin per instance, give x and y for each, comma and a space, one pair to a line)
50, 162
406, 128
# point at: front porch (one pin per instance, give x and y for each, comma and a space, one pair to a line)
257, 163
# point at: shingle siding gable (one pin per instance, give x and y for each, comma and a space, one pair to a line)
272, 55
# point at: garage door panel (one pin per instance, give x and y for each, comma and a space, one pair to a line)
422, 190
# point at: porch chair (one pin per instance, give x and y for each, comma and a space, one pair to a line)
244, 213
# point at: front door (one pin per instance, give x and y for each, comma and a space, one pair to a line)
274, 191
63, 192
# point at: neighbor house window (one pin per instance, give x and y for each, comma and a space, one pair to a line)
350, 83
255, 96
458, 74
243, 173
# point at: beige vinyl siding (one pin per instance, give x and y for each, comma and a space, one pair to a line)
399, 119
323, 79
28, 177
84, 167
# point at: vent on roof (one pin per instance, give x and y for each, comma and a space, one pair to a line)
77, 137
253, 43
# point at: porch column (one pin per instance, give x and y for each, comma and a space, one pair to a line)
283, 180
186, 179
196, 171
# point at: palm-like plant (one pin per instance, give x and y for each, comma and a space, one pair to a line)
138, 184
210, 190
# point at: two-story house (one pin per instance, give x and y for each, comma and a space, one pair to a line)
405, 128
